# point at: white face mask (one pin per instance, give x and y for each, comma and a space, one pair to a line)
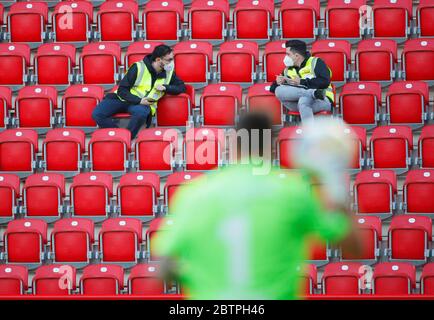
169, 67
288, 61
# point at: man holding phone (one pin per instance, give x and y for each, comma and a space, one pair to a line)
140, 89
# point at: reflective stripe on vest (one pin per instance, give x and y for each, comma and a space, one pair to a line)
308, 72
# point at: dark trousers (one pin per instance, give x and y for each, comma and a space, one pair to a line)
140, 114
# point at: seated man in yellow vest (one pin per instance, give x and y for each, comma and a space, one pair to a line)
304, 84
146, 81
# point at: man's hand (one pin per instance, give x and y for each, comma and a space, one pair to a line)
295, 81
145, 102
160, 88
280, 79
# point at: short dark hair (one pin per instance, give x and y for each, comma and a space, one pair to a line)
297, 46
160, 51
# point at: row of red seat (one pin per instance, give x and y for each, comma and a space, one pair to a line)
237, 61
252, 19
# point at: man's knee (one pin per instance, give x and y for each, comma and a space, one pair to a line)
141, 113
97, 114
280, 93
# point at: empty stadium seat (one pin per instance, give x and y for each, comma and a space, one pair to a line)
375, 192
120, 239
72, 21
145, 279
342, 19
360, 103
176, 110
5, 105
285, 143
337, 55
13, 280
72, 240
109, 149
208, 19
376, 60
91, 193
299, 19
43, 195
9, 194
418, 190
220, 103
392, 278
310, 279
54, 280
426, 279
18, 148
418, 59
342, 278
203, 148
27, 21
14, 63
319, 251
155, 149
259, 98
272, 60
162, 19
193, 60
176, 180
102, 279
138, 194
99, 63
425, 18
358, 135
391, 147
407, 102
138, 50
24, 241
392, 18
410, 237
253, 19
78, 103
426, 147
237, 61
157, 225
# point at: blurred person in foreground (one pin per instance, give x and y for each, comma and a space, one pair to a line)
241, 235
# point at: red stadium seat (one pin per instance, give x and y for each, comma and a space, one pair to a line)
410, 237
272, 60
102, 279
237, 61
145, 279
369, 232
360, 103
72, 240
319, 252
54, 280
427, 279
288, 136
2, 12
176, 110
35, 107
426, 147
157, 225
99, 63
203, 148
162, 20
342, 278
18, 148
342, 19
253, 19
425, 18
72, 21
337, 55
138, 194
391, 147
259, 98
376, 60
14, 63
193, 60
90, 194
375, 192
392, 278
156, 149
109, 149
5, 105
138, 50
220, 104
392, 18
295, 18
27, 21
407, 102
418, 59
9, 194
13, 280
120, 239
359, 138
54, 64
176, 180
43, 194
24, 241
310, 279
418, 191
78, 103
117, 20
208, 19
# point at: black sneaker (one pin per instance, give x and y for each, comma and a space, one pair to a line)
319, 94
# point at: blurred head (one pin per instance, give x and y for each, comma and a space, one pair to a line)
162, 58
296, 52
